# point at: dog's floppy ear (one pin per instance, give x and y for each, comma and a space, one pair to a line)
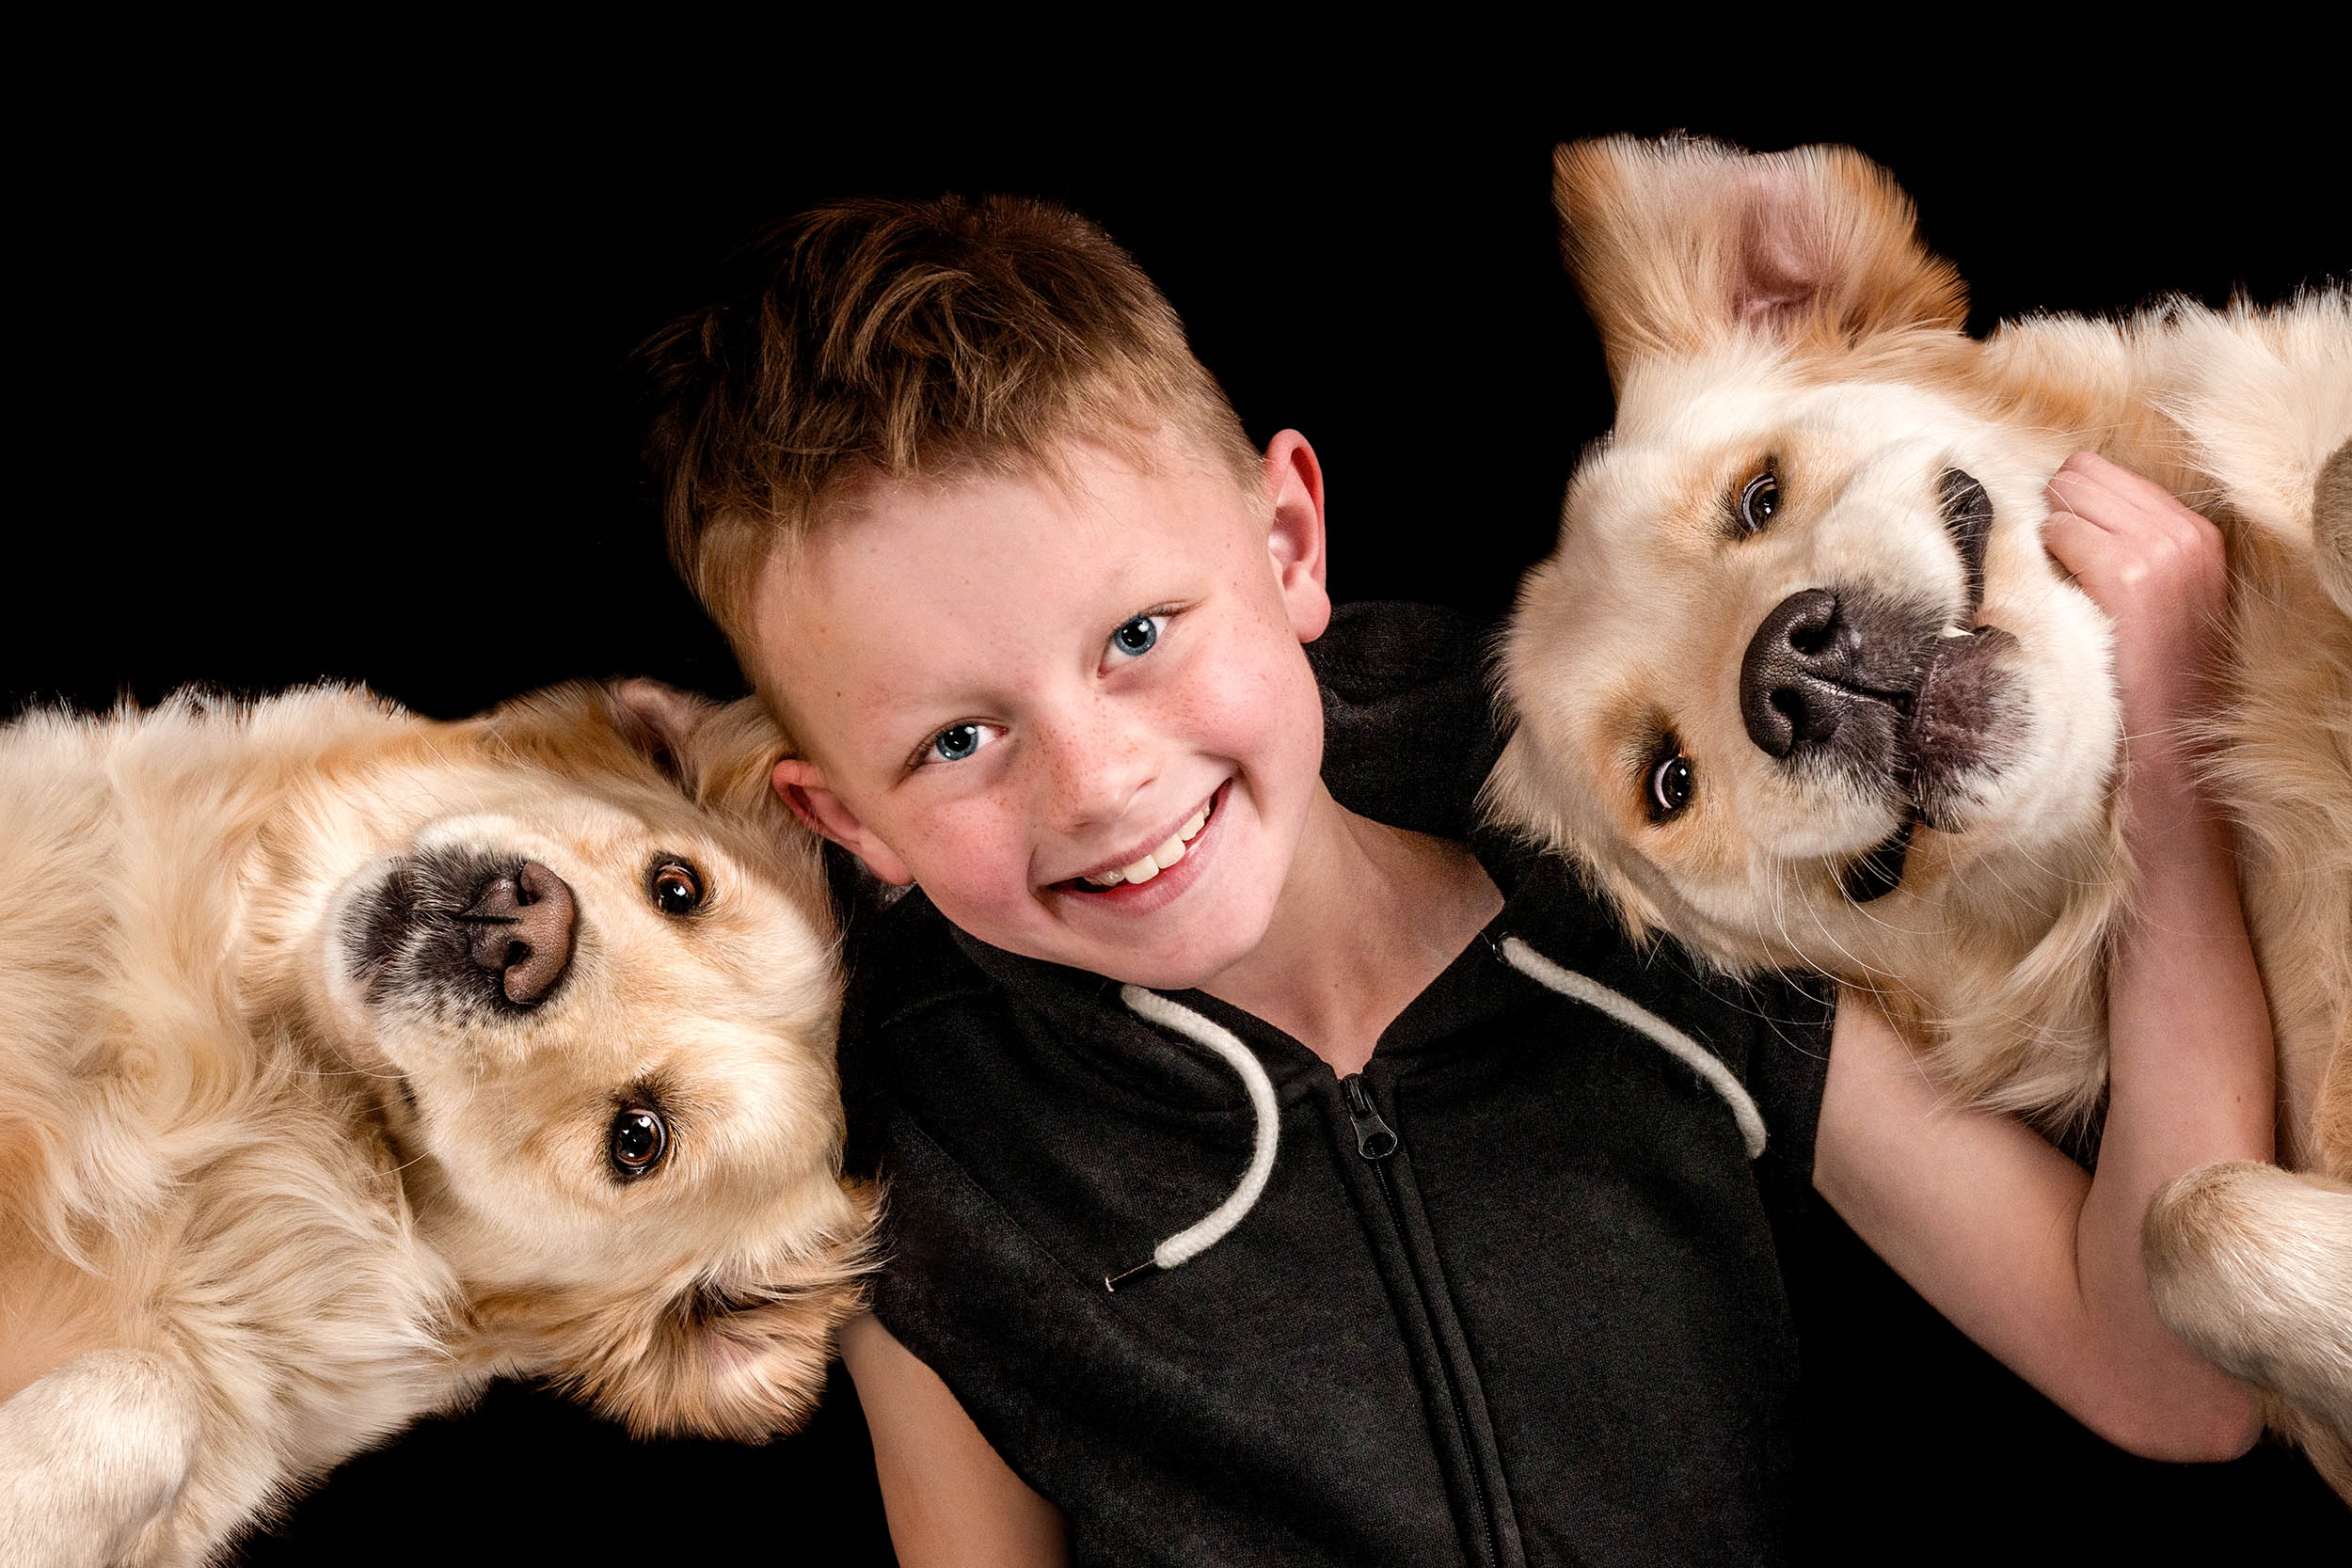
659, 721
721, 753
723, 757
741, 1359
718, 754
1680, 244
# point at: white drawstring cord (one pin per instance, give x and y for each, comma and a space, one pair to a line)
1634, 1016
1211, 1229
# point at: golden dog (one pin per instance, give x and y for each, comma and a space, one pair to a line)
349, 1060
1802, 688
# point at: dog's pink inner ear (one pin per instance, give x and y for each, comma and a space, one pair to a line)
1682, 246
1777, 268
1824, 246
659, 721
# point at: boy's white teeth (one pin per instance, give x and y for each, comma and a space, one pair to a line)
1158, 859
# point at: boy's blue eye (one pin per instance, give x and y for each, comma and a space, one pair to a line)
956, 742
1137, 635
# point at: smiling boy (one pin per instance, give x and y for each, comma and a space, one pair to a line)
1476, 1266
1102, 750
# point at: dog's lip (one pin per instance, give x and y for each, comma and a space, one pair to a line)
1949, 720
1967, 514
375, 923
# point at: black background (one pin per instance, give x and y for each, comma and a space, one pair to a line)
333, 382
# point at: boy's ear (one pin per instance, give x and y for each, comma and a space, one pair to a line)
800, 784
1294, 541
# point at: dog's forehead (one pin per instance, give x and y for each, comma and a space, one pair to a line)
1679, 410
610, 827
729, 1053
1689, 402
1587, 649
1650, 512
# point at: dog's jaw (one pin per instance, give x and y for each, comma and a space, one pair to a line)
1961, 718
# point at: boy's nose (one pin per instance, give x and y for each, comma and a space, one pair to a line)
1093, 772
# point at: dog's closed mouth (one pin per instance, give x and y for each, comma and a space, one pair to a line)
1951, 724
1967, 513
377, 928
1955, 719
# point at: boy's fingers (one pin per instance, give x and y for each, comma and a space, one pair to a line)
2068, 529
2118, 500
2092, 492
2089, 468
2077, 543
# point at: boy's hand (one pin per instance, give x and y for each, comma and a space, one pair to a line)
2159, 571
2006, 1237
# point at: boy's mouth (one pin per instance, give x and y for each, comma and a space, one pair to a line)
1166, 853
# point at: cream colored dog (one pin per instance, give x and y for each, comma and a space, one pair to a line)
1802, 688
348, 1060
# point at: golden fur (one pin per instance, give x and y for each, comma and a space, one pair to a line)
1777, 316
258, 1211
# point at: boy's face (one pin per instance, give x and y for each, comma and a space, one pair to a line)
1008, 689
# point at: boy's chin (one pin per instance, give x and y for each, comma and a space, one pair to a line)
1168, 961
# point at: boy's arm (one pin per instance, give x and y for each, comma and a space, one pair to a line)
950, 1500
2005, 1236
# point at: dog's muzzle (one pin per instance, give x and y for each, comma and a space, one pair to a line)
1884, 688
493, 932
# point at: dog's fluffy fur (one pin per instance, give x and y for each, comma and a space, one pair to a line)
283, 1166
1777, 316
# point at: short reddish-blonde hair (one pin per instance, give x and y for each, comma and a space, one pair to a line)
886, 340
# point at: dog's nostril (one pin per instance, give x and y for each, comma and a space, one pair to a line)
1788, 696
520, 928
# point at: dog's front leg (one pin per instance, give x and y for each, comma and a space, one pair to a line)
91, 1454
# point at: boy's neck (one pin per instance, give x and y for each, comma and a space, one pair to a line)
1369, 916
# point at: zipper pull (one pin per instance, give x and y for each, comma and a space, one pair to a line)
1375, 1139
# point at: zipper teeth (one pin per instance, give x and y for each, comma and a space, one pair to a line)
1492, 1548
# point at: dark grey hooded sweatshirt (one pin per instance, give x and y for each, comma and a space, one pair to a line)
1509, 1296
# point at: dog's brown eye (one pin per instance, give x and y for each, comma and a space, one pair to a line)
676, 890
1758, 499
1670, 782
638, 1140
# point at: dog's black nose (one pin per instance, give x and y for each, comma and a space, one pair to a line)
1794, 682
520, 928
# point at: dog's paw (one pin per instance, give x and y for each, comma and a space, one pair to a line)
2251, 1266
91, 1453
